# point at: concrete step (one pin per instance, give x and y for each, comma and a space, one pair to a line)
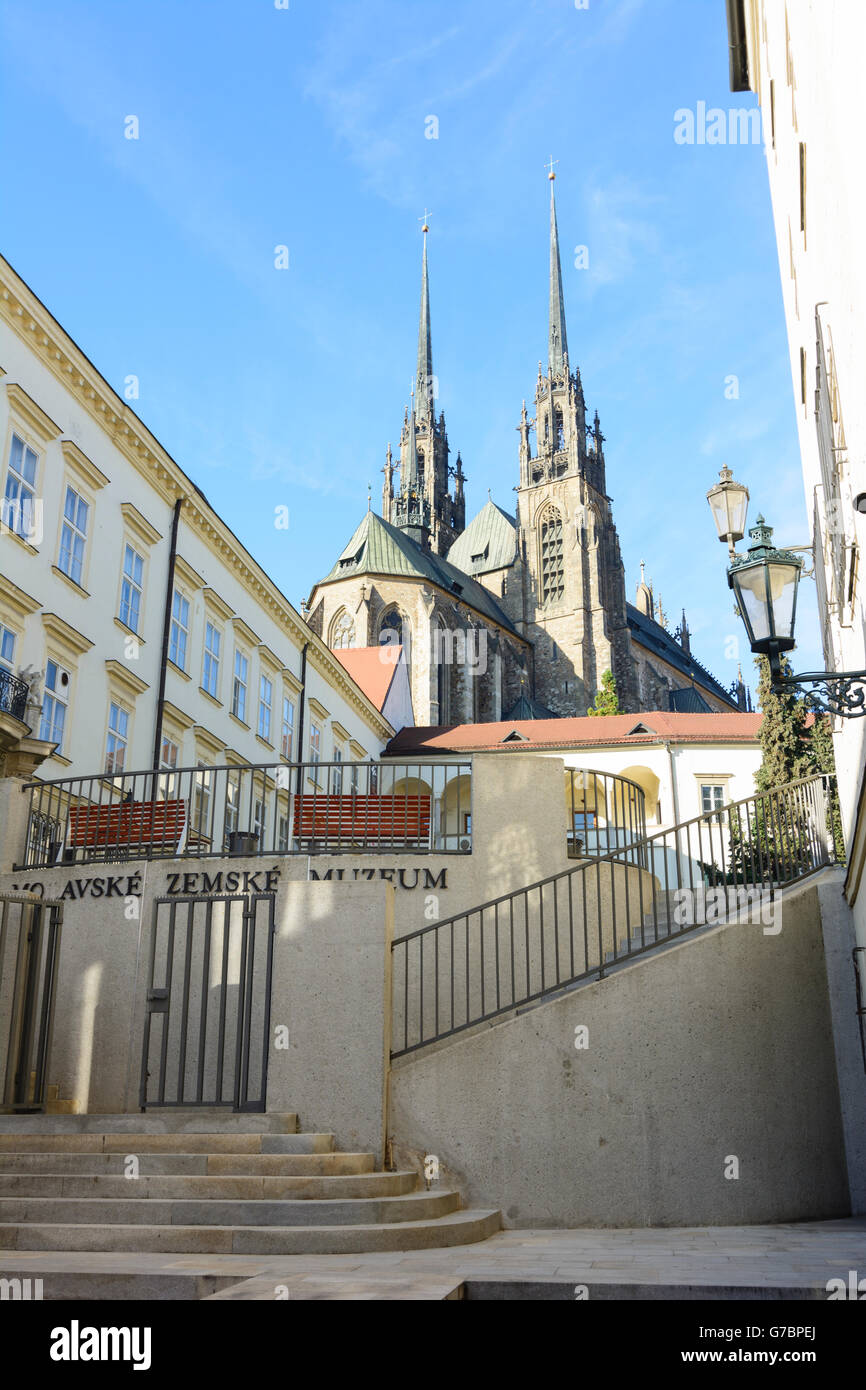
207, 1120
137, 1142
217, 1212
455, 1228
195, 1165
85, 1185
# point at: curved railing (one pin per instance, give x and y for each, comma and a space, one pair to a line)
575, 925
605, 812
14, 693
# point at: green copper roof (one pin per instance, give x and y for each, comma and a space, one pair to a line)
488, 543
377, 547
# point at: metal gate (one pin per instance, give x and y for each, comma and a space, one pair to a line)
208, 1002
29, 951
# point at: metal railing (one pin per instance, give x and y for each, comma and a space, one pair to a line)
264, 809
14, 694
605, 812
575, 925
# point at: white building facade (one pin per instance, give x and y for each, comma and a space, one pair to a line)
804, 61
159, 640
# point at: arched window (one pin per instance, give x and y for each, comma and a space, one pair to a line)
442, 656
551, 554
342, 630
394, 631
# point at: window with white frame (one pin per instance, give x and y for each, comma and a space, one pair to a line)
202, 790
239, 686
130, 588
55, 704
283, 834
337, 772
178, 638
266, 699
232, 806
211, 671
287, 741
315, 749
117, 739
7, 648
19, 497
260, 819
73, 535
712, 798
169, 756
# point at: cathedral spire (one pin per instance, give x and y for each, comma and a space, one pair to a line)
424, 374
558, 346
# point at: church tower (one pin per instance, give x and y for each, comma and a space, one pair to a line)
573, 599
424, 506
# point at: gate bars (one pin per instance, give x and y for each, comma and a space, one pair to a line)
29, 950
209, 985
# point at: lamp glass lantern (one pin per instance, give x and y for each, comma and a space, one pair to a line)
729, 503
764, 581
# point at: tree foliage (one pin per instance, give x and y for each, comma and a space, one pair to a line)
606, 699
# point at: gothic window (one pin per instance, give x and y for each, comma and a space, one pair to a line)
559, 431
342, 630
552, 561
394, 631
442, 656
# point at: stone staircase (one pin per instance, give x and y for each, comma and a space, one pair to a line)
211, 1182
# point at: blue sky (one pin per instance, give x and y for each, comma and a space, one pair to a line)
305, 127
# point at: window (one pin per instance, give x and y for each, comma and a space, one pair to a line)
342, 630
287, 742
211, 673
337, 773
266, 696
232, 807
18, 502
55, 703
239, 686
168, 754
73, 535
7, 648
118, 738
712, 798
201, 812
552, 563
260, 819
315, 749
179, 634
130, 588
167, 786
283, 835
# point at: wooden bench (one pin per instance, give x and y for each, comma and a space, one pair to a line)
128, 825
354, 819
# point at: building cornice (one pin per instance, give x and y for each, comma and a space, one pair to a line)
32, 414
78, 461
65, 634
21, 603
120, 674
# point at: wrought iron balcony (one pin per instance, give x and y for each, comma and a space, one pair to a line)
14, 693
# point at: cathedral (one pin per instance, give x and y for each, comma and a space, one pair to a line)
511, 616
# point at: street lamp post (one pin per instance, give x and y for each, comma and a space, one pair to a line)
765, 581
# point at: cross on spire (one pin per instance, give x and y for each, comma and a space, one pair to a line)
424, 220
550, 167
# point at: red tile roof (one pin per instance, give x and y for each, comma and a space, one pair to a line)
372, 668
586, 731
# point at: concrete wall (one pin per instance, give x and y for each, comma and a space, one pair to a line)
718, 1048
